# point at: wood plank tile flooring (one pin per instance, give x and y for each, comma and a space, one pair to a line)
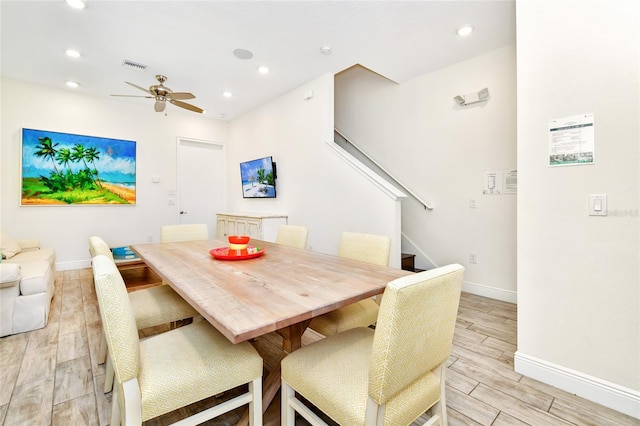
51, 377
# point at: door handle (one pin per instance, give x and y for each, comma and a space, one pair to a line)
183, 212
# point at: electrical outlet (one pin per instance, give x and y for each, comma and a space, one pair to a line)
473, 258
150, 238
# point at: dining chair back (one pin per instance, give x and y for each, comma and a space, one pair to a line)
98, 246
371, 248
293, 236
186, 232
168, 371
152, 307
405, 373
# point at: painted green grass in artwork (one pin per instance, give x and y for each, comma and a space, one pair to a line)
34, 188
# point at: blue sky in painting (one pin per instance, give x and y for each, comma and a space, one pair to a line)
117, 162
250, 168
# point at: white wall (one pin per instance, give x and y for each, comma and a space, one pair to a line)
440, 151
579, 275
314, 187
66, 228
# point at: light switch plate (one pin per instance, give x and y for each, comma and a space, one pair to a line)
597, 204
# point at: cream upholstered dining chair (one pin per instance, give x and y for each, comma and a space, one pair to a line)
151, 307
371, 248
293, 236
171, 370
187, 232
389, 376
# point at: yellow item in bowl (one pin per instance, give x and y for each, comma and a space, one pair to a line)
237, 246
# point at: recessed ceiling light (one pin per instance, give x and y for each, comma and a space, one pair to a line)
221, 116
77, 4
464, 31
263, 69
72, 84
72, 53
227, 94
325, 50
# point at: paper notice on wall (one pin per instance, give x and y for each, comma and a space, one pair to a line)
492, 182
571, 141
510, 181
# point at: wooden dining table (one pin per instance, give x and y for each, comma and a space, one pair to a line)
278, 291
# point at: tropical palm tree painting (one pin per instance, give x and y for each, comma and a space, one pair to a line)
258, 178
63, 169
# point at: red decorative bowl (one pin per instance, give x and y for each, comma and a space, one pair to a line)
237, 242
237, 239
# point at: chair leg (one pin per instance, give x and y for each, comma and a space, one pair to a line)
439, 409
290, 405
115, 409
255, 406
287, 413
132, 402
102, 354
109, 375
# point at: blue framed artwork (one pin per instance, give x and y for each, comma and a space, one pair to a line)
63, 169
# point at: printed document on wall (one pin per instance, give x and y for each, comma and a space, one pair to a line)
511, 181
571, 140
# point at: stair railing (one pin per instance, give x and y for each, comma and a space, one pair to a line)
426, 205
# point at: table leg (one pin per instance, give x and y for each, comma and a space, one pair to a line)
292, 336
291, 341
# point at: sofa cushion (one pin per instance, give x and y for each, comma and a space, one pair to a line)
9, 275
47, 254
35, 277
26, 245
8, 246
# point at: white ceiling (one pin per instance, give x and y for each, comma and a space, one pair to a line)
192, 43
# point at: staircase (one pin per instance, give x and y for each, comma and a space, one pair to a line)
408, 262
407, 259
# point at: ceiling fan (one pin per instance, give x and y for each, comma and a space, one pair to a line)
162, 94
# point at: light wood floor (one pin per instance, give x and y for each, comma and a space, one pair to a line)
50, 376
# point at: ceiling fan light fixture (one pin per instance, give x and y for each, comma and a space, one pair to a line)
162, 94
160, 105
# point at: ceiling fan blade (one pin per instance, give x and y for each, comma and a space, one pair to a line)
139, 87
134, 96
181, 95
159, 106
186, 106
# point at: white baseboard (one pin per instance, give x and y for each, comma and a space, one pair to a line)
600, 391
68, 266
490, 292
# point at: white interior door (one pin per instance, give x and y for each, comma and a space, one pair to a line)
201, 182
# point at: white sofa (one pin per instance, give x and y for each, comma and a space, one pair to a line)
27, 277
